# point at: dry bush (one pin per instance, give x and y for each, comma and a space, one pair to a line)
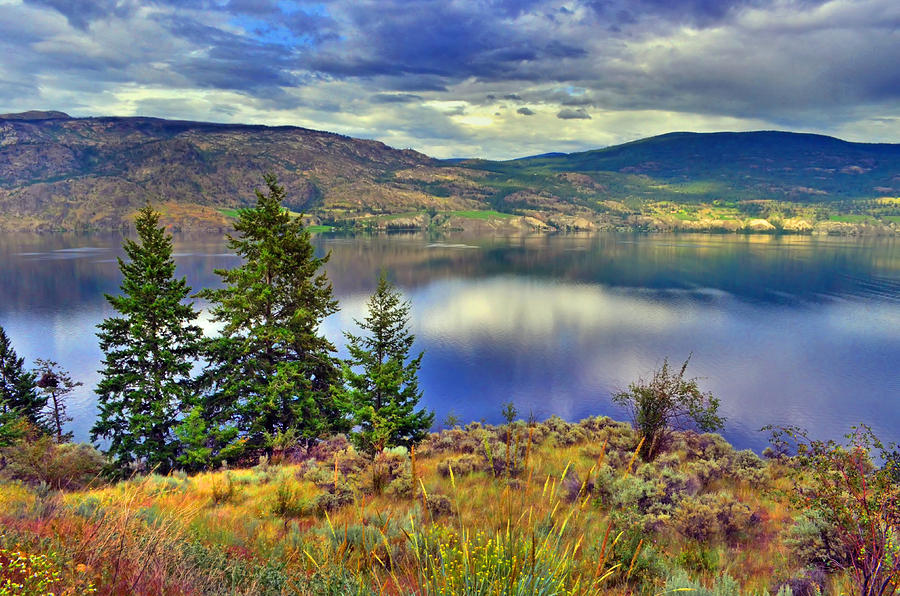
65, 466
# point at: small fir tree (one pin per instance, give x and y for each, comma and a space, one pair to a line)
270, 370
12, 426
382, 396
149, 352
56, 384
19, 397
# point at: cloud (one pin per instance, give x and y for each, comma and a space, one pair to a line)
570, 114
80, 13
434, 75
395, 98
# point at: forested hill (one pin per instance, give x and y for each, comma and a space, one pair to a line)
58, 172
763, 164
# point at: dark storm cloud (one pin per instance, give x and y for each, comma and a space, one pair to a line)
434, 37
525, 112
570, 114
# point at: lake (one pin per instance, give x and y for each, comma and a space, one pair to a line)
784, 330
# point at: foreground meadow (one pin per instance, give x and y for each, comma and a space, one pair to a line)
546, 508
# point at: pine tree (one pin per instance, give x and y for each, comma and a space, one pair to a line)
55, 383
149, 352
271, 370
383, 395
19, 397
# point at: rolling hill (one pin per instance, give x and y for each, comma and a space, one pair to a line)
58, 172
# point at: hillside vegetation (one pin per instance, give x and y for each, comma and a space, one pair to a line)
548, 508
58, 172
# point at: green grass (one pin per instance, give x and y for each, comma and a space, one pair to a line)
851, 218
489, 214
316, 229
892, 219
229, 211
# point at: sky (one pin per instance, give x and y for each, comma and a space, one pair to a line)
465, 78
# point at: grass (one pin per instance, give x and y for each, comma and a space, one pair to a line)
549, 508
229, 212
851, 218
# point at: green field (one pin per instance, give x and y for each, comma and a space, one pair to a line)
489, 214
851, 218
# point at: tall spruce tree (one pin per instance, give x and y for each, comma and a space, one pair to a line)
270, 369
149, 352
382, 396
19, 397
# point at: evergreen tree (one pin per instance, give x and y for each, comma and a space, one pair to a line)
55, 383
270, 370
18, 394
383, 395
12, 427
149, 352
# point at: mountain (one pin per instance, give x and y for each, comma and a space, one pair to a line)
58, 172
764, 164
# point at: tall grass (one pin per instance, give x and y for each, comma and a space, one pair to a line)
550, 508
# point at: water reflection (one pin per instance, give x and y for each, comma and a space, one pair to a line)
784, 330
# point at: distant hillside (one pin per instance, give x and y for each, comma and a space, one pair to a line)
746, 165
58, 172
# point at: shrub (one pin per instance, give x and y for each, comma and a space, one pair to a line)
747, 467
69, 466
735, 518
704, 517
286, 502
224, 490
811, 583
461, 465
696, 557
332, 501
679, 581
705, 470
437, 505
574, 487
637, 560
858, 499
696, 518
25, 574
325, 450
667, 399
814, 541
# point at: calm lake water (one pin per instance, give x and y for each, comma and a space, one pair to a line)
784, 330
